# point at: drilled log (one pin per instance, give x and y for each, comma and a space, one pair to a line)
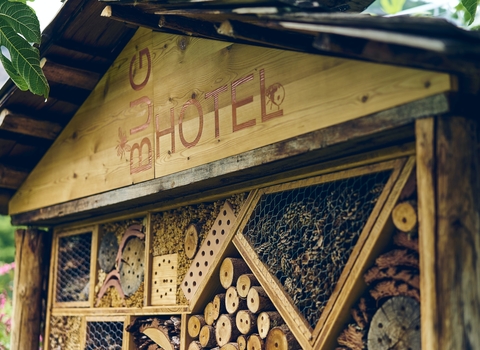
195, 323
255, 342
280, 338
191, 240
244, 283
246, 321
195, 345
207, 336
231, 269
226, 330
258, 300
266, 321
229, 346
233, 303
404, 216
219, 305
242, 342
209, 313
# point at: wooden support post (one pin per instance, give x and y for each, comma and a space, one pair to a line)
31, 258
449, 209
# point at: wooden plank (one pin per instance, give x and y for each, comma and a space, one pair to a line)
457, 267
28, 126
31, 263
50, 290
344, 139
71, 76
170, 103
11, 177
94, 265
425, 147
145, 311
5, 196
147, 279
127, 343
374, 244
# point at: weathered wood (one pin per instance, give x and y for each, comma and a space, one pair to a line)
231, 270
207, 336
265, 161
255, 342
233, 302
65, 75
5, 196
195, 323
191, 240
226, 330
457, 267
22, 124
246, 321
397, 324
258, 300
209, 314
31, 258
426, 193
244, 283
267, 320
280, 338
404, 216
11, 177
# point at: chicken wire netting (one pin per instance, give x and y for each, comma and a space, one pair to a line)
306, 235
73, 267
104, 336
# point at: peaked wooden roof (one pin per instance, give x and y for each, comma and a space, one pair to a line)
87, 35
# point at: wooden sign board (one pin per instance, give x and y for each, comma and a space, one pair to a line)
170, 103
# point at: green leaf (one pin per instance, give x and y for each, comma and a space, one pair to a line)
18, 29
392, 6
470, 10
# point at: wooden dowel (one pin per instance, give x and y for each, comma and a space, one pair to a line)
246, 321
195, 324
244, 283
258, 300
226, 330
231, 269
233, 303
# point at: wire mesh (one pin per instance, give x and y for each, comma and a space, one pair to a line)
306, 235
104, 336
73, 268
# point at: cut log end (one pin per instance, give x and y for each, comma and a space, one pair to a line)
280, 338
195, 324
404, 216
244, 283
230, 270
255, 342
191, 240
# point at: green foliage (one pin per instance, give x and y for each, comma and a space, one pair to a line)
19, 30
470, 9
7, 240
392, 6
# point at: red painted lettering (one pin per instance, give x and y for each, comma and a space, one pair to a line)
275, 95
149, 103
236, 104
180, 123
145, 52
215, 94
141, 165
171, 130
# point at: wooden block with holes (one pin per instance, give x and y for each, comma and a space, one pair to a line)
164, 279
207, 252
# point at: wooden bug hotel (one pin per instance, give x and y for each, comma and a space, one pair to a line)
245, 176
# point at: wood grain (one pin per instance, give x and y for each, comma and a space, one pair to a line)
171, 116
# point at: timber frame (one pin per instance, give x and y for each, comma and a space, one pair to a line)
434, 137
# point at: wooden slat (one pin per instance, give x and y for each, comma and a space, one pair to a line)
71, 76
5, 196
131, 16
457, 248
346, 138
425, 148
28, 126
145, 311
11, 177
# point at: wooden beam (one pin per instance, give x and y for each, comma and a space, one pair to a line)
388, 127
70, 76
69, 94
21, 124
31, 258
457, 241
11, 177
131, 16
5, 196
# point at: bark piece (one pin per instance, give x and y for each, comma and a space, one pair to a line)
191, 240
280, 338
410, 277
246, 321
107, 252
404, 216
244, 283
226, 330
390, 288
255, 342
231, 269
233, 303
258, 300
397, 257
352, 338
207, 336
396, 325
406, 240
266, 321
195, 324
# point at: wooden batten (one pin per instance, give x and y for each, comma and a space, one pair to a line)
25, 125
179, 103
65, 75
11, 177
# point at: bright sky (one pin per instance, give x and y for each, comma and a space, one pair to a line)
46, 10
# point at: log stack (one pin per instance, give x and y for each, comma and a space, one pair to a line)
240, 318
154, 333
393, 288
